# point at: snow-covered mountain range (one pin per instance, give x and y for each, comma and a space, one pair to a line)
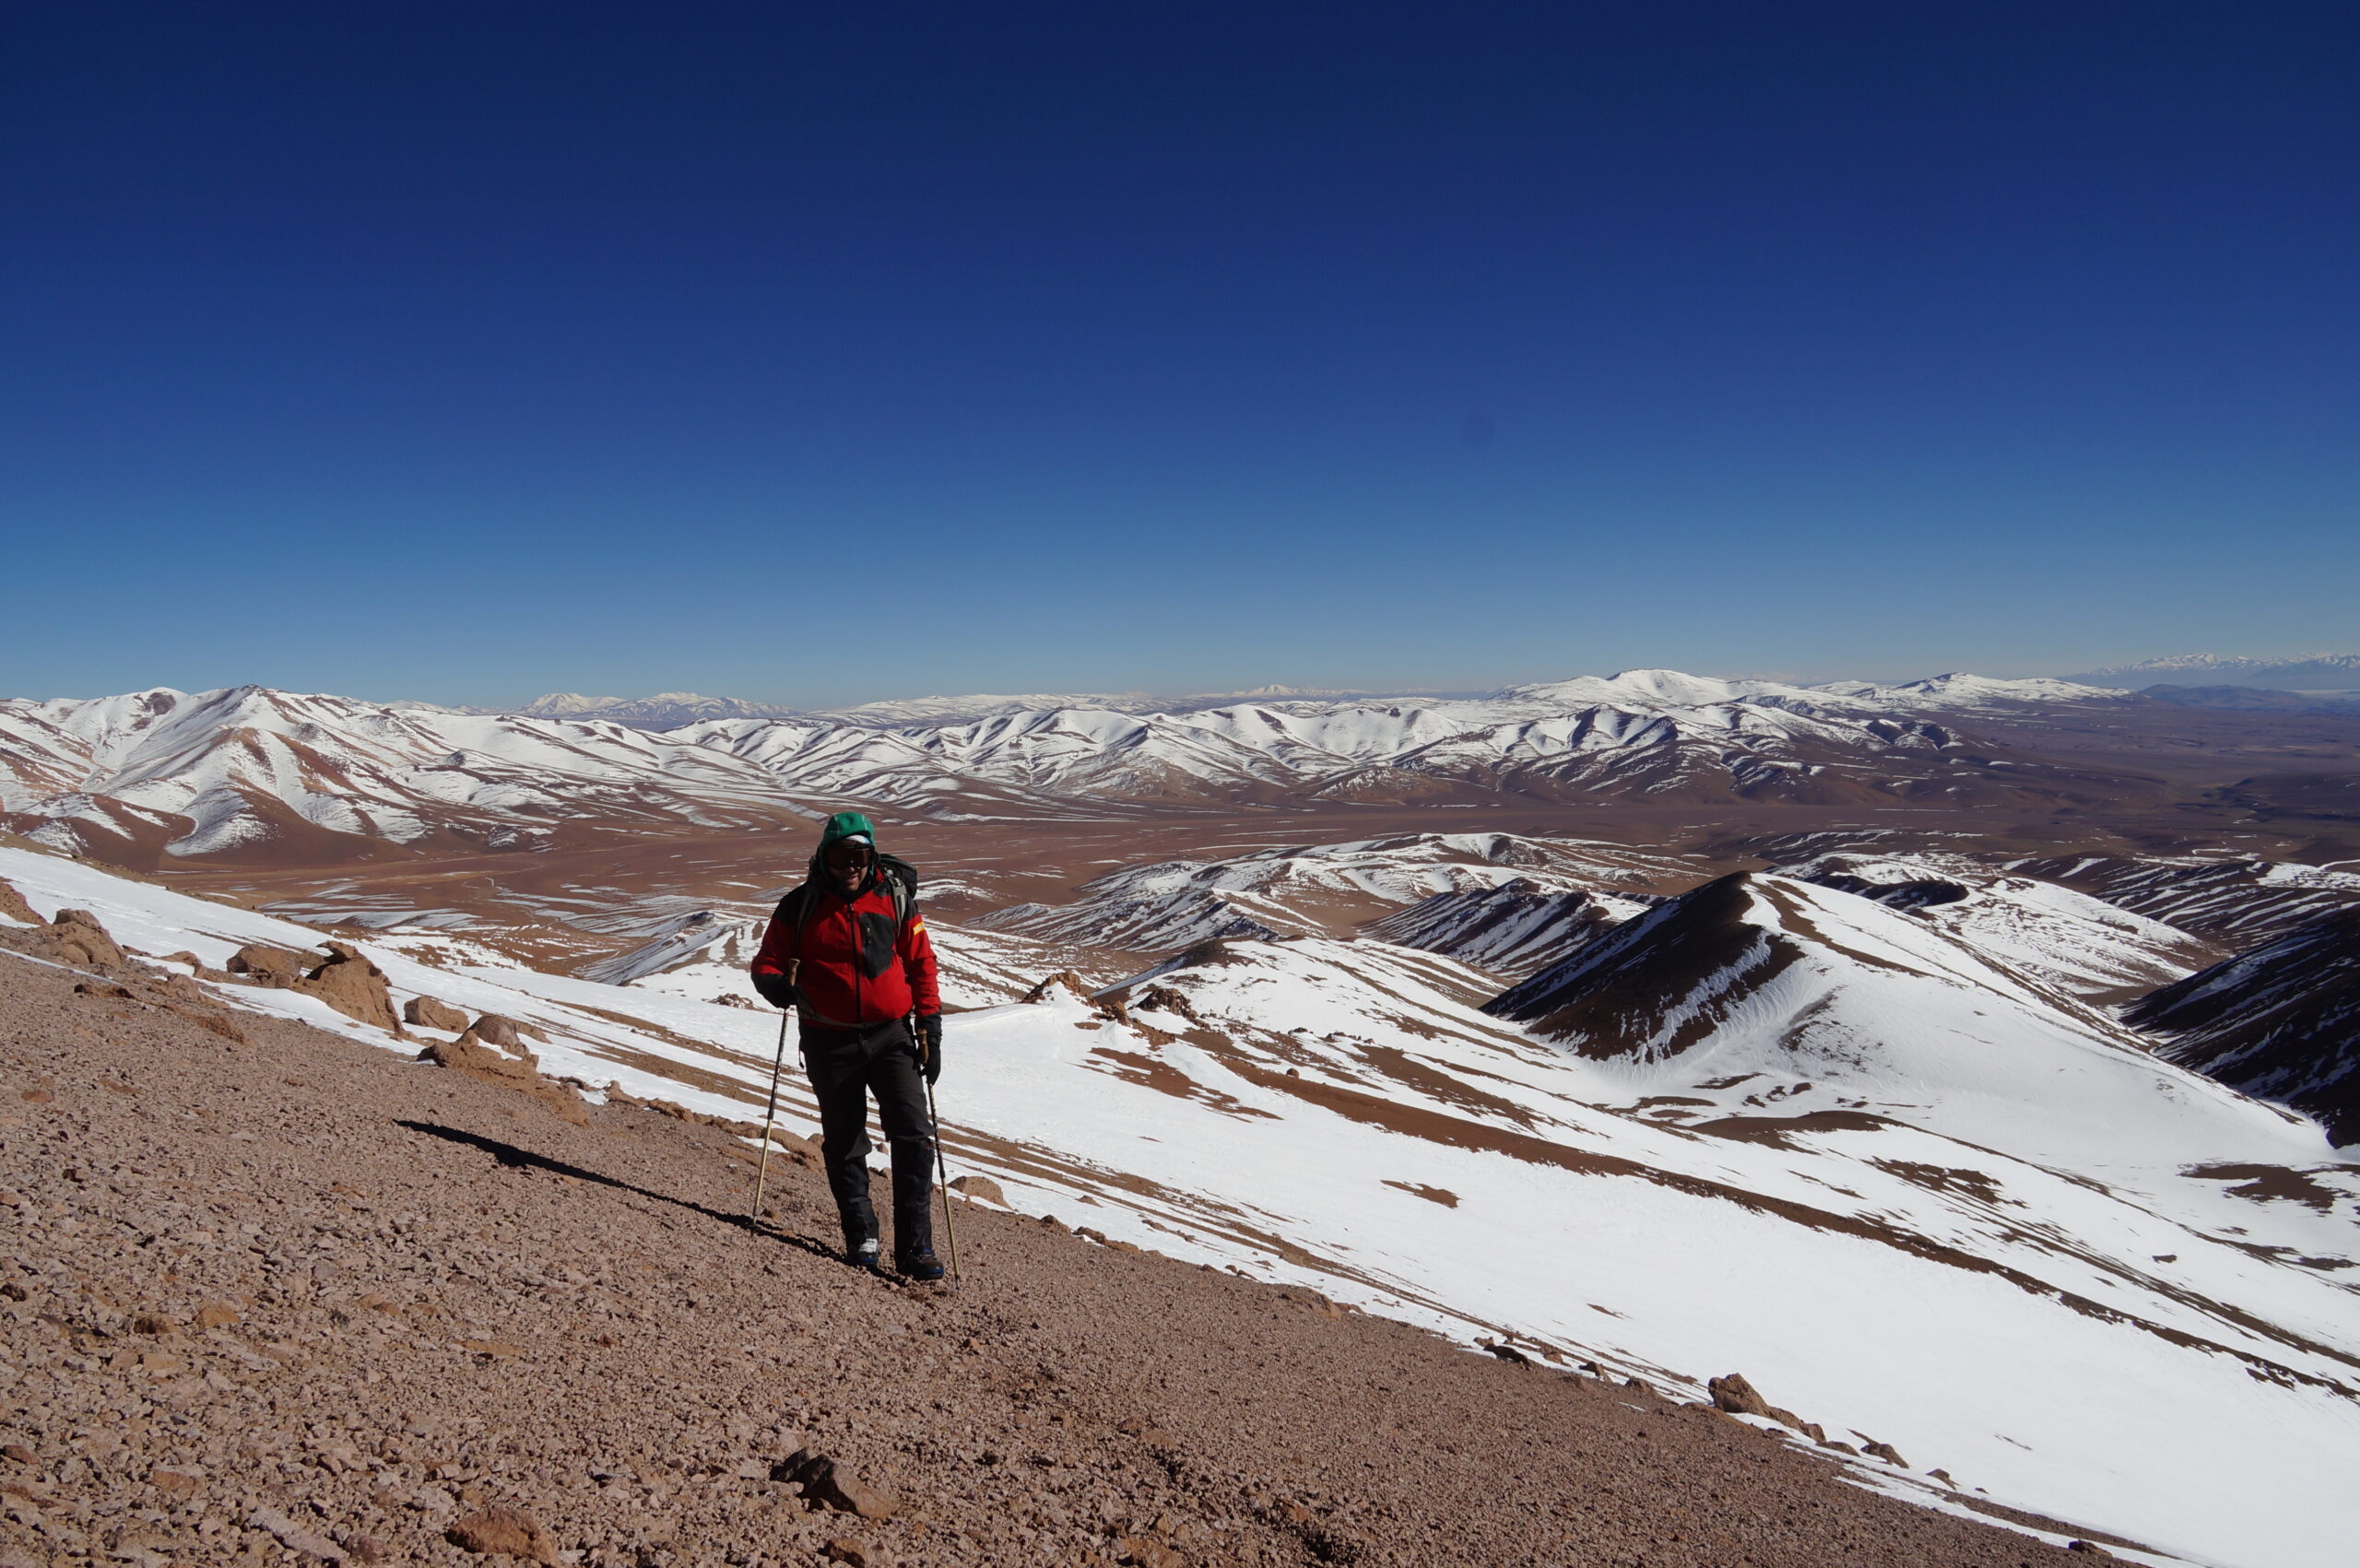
258, 773
2294, 672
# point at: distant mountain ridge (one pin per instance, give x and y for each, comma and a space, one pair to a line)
251, 772
2294, 672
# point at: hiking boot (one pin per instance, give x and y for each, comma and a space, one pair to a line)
864, 1255
919, 1264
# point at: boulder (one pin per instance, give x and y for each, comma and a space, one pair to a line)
1064, 978
504, 1532
856, 1554
76, 936
497, 1029
1739, 1397
13, 905
428, 1013
827, 1483
982, 1187
1162, 999
1735, 1395
470, 1055
266, 964
353, 986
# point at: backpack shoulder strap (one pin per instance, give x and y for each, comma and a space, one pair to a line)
903, 879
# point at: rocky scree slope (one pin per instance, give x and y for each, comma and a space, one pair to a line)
1335, 1116
294, 1299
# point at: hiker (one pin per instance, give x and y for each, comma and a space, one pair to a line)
847, 950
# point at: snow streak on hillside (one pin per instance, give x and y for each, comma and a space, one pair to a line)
1314, 888
1789, 1130
254, 772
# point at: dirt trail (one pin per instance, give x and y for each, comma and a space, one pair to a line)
297, 1299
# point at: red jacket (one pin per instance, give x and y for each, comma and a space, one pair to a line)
856, 968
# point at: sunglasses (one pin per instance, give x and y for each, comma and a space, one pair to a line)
847, 855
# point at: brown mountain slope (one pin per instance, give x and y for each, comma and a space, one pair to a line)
296, 1296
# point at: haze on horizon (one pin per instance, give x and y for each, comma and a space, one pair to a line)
465, 355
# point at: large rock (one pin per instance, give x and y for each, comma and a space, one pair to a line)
76, 936
827, 1483
1065, 979
12, 904
982, 1187
1737, 1396
504, 1532
267, 965
1163, 999
353, 986
470, 1055
498, 1029
428, 1013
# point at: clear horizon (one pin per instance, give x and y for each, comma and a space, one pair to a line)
812, 358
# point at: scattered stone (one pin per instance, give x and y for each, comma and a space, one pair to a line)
982, 1187
2090, 1547
353, 986
214, 1023
76, 936
154, 1322
1509, 1353
504, 1532
266, 964
428, 1013
1065, 978
183, 955
827, 1483
856, 1554
1886, 1452
294, 1537
218, 1315
175, 1482
1143, 1552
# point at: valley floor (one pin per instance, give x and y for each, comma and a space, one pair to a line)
294, 1299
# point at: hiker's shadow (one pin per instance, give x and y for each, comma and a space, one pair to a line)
524, 1159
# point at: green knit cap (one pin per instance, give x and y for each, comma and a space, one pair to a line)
843, 825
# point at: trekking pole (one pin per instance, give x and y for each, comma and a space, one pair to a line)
778, 1065
942, 1170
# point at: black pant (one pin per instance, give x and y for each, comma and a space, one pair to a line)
845, 1067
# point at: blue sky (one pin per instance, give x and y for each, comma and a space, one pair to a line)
818, 354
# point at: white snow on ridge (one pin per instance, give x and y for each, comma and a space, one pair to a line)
2073, 1324
1310, 888
250, 765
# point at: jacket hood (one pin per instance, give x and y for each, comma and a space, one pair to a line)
843, 825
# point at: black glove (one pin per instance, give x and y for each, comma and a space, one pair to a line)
776, 989
930, 1044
